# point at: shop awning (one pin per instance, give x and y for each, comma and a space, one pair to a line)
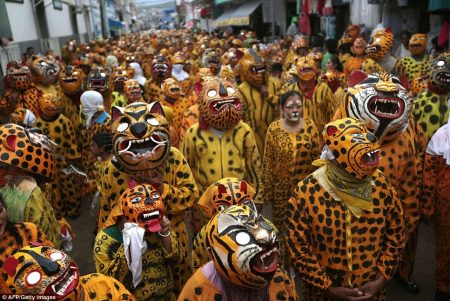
239, 16
114, 24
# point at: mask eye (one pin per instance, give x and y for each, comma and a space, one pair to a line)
231, 90
212, 93
155, 196
136, 200
378, 40
122, 127
440, 63
33, 278
153, 121
221, 207
242, 238
56, 256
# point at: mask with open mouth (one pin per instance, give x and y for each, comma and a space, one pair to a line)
354, 148
144, 206
42, 270
141, 136
49, 106
440, 73
97, 80
380, 44
380, 101
161, 67
118, 78
244, 246
44, 69
220, 104
252, 68
71, 80
306, 68
418, 44
132, 90
18, 76
171, 89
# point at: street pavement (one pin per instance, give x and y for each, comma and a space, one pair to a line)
423, 273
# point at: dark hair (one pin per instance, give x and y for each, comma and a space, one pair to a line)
335, 60
103, 139
284, 97
331, 46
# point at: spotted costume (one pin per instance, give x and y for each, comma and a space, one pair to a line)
335, 210
45, 73
257, 109
402, 144
155, 281
379, 58
431, 107
410, 66
49, 272
230, 275
132, 164
160, 71
60, 130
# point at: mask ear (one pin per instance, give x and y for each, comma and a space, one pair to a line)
243, 187
10, 142
198, 88
116, 112
156, 108
239, 54
404, 80
10, 265
356, 77
221, 188
331, 130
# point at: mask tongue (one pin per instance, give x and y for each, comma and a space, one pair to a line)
154, 225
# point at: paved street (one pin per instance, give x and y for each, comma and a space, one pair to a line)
424, 270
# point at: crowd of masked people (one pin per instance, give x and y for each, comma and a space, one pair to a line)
181, 140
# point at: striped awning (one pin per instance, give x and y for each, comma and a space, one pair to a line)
239, 16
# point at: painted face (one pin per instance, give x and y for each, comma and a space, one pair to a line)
118, 77
44, 69
253, 68
97, 80
306, 68
19, 77
359, 46
220, 104
243, 246
171, 89
380, 44
381, 102
361, 155
144, 206
132, 90
418, 44
141, 136
71, 80
49, 106
440, 73
42, 271
293, 109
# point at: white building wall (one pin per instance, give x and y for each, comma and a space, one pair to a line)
58, 21
81, 24
21, 20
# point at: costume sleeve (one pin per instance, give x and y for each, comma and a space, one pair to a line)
188, 149
180, 193
252, 165
394, 237
269, 161
200, 254
316, 140
420, 147
245, 108
282, 287
177, 253
70, 144
430, 177
109, 257
299, 243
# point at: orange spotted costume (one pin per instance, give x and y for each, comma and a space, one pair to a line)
336, 209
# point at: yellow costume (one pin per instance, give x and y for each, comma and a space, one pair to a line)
100, 287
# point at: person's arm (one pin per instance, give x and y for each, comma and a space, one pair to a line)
299, 243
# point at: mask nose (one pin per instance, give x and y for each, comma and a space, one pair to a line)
222, 91
138, 129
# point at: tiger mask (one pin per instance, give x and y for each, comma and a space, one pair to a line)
18, 76
354, 148
171, 90
306, 68
380, 101
141, 136
253, 69
144, 206
440, 74
219, 104
117, 79
97, 80
132, 90
42, 270
71, 80
418, 44
380, 44
244, 246
44, 69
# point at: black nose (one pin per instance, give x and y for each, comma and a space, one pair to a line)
222, 91
139, 129
148, 201
372, 138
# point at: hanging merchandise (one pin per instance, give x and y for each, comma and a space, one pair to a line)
305, 24
328, 8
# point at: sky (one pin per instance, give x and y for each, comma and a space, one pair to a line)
153, 2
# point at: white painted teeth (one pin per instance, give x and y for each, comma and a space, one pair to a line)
157, 142
153, 213
127, 148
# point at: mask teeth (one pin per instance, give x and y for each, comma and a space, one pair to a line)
126, 149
